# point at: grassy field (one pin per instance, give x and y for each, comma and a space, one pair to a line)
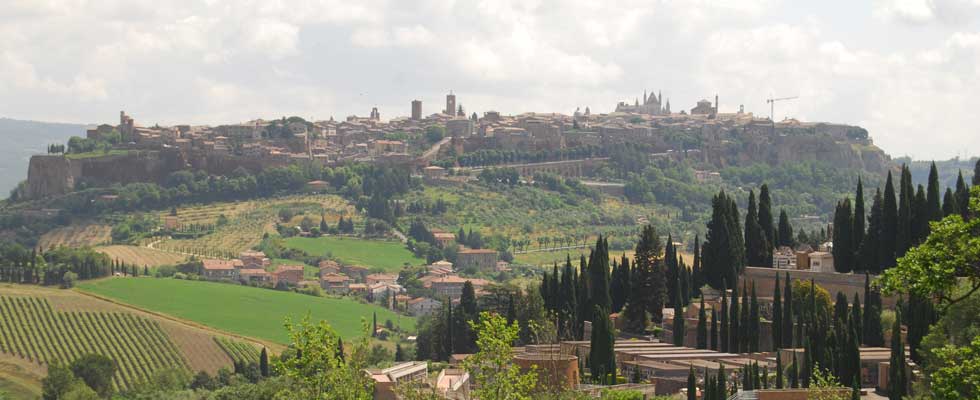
389, 255
18, 380
243, 310
141, 256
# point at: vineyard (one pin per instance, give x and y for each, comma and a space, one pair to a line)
141, 256
76, 236
32, 330
238, 351
246, 223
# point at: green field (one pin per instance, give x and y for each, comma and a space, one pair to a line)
243, 310
388, 255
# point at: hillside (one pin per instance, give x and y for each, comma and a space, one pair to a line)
41, 324
22, 139
244, 310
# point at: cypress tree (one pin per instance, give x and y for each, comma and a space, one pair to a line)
554, 286
870, 252
264, 362
566, 317
619, 285
889, 226
794, 373
906, 195
787, 319
857, 317
685, 282
840, 311
738, 241
702, 342
745, 323
897, 380
733, 322
714, 330
602, 358
399, 352
692, 385
857, 229
647, 279
582, 294
722, 384
697, 274
920, 217
785, 235
755, 238
722, 251
935, 211
777, 316
678, 327
976, 173
754, 328
950, 207
873, 333
673, 273
765, 222
962, 196
600, 275
779, 372
724, 340
843, 239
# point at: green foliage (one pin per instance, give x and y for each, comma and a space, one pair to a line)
59, 381
317, 370
96, 371
959, 374
492, 367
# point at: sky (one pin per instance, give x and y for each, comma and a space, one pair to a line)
907, 70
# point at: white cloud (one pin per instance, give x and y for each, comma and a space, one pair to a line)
903, 69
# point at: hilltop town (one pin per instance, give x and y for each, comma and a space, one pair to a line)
430, 143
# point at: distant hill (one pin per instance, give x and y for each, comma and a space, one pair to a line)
21, 139
948, 170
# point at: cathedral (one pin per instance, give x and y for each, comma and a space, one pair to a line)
652, 105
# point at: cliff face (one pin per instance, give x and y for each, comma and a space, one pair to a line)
49, 175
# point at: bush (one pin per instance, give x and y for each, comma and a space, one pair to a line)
165, 271
68, 280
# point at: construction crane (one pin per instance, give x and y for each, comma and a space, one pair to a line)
772, 105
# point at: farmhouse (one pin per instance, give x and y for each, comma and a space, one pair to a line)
482, 259
290, 274
254, 275
423, 306
220, 269
334, 283
373, 279
254, 259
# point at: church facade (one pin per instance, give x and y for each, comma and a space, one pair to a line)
652, 105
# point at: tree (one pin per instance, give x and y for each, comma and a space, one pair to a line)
857, 229
976, 173
679, 329
934, 211
734, 328
264, 362
723, 252
702, 342
962, 196
903, 231
648, 286
620, 284
872, 315
897, 380
602, 357
697, 274
374, 325
59, 381
765, 222
843, 237
754, 328
950, 206
779, 372
692, 385
777, 316
755, 239
786, 237
889, 226
788, 316
724, 337
492, 367
599, 275
870, 256
319, 369
96, 371
949, 255
569, 301
713, 335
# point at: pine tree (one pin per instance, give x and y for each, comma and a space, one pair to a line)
889, 226
897, 380
602, 358
765, 223
724, 337
754, 328
788, 316
935, 211
264, 362
962, 196
777, 316
713, 336
857, 229
843, 239
785, 235
950, 207
702, 342
755, 238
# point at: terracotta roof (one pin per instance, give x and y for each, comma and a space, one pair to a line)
287, 268
383, 277
212, 264
253, 271
477, 251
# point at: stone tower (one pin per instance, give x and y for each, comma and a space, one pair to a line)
450, 104
416, 110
